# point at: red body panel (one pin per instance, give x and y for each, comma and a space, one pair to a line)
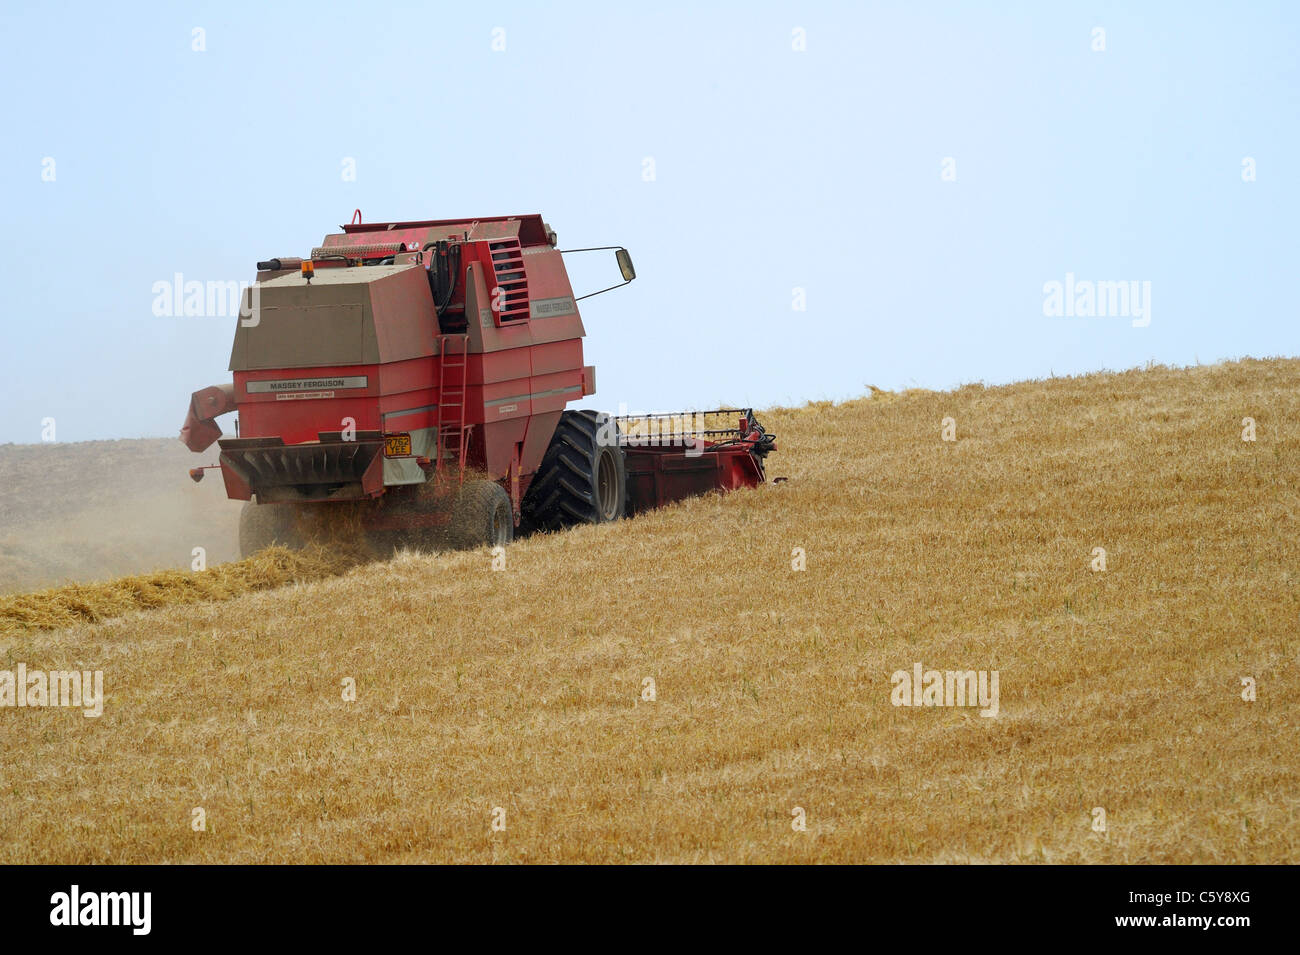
659, 476
296, 417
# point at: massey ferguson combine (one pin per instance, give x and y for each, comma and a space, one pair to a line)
421, 370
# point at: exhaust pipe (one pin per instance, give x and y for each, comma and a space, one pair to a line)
277, 265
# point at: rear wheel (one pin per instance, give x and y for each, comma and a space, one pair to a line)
482, 517
583, 476
261, 525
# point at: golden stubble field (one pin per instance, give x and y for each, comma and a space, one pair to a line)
522, 689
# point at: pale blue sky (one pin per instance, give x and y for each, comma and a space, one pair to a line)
774, 169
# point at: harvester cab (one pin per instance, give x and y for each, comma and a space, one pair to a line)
420, 372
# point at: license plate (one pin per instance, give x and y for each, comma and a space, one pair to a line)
397, 445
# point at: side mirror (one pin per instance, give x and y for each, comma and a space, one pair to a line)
625, 264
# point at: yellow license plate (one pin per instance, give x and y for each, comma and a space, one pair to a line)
397, 445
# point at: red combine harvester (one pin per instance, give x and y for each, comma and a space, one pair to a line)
423, 369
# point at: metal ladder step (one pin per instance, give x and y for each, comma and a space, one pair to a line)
452, 434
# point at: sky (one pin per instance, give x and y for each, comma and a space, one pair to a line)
817, 197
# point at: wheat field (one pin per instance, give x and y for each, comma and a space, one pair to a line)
504, 715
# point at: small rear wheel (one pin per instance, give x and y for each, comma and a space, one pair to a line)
261, 525
482, 516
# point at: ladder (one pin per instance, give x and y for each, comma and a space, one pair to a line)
453, 436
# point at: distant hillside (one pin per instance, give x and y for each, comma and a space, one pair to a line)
98, 509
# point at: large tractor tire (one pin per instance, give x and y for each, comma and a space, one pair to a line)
261, 525
482, 516
580, 481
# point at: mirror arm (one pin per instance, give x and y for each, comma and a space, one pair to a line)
610, 289
599, 248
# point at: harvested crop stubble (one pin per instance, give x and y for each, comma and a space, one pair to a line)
525, 688
91, 603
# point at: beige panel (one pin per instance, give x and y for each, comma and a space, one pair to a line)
404, 322
306, 336
298, 325
478, 315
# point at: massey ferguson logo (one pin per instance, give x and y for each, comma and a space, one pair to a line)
546, 307
308, 383
305, 384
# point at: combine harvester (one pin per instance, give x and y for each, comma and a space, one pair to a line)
421, 370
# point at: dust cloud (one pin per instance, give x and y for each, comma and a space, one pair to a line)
91, 511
